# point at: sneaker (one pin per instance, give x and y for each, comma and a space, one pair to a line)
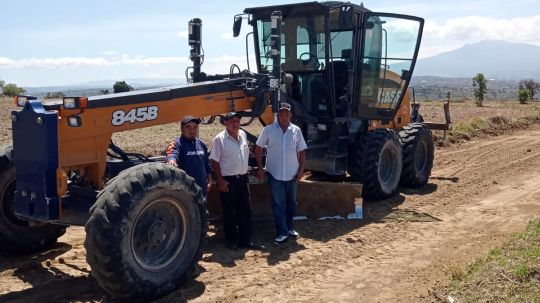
251, 245
280, 239
293, 233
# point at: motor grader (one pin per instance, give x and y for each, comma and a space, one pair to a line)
344, 69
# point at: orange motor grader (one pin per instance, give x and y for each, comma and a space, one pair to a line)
346, 72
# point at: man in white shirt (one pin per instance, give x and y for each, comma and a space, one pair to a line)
285, 155
229, 160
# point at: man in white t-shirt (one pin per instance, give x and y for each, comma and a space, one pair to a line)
229, 160
285, 155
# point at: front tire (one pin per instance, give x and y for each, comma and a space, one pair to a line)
19, 236
418, 154
146, 232
378, 164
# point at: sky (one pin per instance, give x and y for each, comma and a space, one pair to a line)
61, 42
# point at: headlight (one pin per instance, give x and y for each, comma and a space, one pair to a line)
70, 103
74, 121
20, 101
75, 102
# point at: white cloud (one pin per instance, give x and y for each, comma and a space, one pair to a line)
471, 29
219, 64
66, 62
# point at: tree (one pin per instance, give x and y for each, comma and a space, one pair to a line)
523, 95
104, 91
2, 83
12, 89
480, 88
530, 86
121, 87
54, 95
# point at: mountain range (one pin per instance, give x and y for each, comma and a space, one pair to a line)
494, 58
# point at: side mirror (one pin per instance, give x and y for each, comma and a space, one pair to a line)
237, 25
346, 16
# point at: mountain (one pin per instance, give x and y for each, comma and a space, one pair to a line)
495, 59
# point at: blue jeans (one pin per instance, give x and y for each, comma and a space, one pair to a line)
283, 203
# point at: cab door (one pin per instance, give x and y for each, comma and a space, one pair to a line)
389, 48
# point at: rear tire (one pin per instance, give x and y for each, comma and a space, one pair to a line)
16, 234
378, 163
418, 153
146, 232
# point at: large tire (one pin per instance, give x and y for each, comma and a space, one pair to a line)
417, 145
377, 163
146, 232
18, 236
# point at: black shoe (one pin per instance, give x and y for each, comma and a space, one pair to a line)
251, 245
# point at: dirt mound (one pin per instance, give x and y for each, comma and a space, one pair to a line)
491, 126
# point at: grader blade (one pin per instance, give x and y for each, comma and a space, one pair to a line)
316, 199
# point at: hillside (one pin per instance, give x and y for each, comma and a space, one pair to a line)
496, 59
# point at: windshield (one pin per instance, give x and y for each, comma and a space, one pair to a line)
302, 44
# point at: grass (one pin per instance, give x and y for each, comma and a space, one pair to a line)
477, 123
510, 273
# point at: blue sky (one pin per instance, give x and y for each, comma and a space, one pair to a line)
60, 42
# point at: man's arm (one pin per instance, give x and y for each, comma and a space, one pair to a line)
301, 154
261, 142
301, 159
258, 156
215, 156
172, 154
209, 182
223, 185
207, 166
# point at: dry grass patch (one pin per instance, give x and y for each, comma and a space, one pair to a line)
510, 273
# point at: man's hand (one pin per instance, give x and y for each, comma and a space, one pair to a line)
223, 186
299, 175
209, 183
260, 174
172, 162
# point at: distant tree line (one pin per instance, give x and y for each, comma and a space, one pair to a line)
10, 89
55, 95
435, 88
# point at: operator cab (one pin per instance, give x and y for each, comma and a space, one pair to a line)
346, 66
345, 61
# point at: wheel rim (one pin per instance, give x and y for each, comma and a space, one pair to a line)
387, 167
420, 161
159, 234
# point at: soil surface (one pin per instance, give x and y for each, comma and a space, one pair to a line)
480, 192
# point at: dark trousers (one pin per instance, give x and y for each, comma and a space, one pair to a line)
283, 203
236, 210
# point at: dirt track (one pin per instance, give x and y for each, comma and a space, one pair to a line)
480, 192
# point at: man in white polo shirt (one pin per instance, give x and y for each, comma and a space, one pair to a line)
285, 155
229, 160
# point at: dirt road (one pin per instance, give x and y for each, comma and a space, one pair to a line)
480, 192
